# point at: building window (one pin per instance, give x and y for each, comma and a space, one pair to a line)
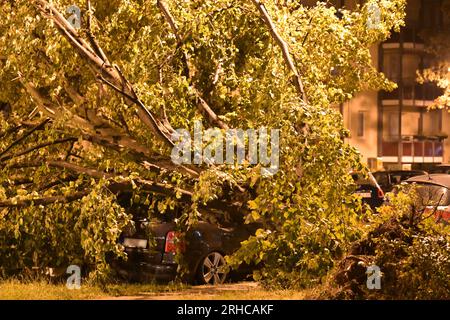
361, 124
391, 65
390, 124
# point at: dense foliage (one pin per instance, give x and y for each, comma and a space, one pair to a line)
90, 112
411, 250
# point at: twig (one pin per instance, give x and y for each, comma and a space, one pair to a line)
24, 136
39, 146
307, 33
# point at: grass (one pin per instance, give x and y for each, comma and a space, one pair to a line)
42, 290
15, 290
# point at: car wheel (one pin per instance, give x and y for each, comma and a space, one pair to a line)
212, 269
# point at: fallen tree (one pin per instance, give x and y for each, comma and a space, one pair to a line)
96, 111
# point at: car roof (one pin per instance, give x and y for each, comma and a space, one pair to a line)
402, 171
436, 179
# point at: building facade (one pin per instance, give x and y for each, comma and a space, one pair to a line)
395, 129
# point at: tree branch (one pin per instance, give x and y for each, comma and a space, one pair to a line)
114, 186
11, 130
106, 135
169, 18
43, 201
93, 41
202, 105
284, 48
39, 146
162, 130
24, 136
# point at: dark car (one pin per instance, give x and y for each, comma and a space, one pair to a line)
387, 180
368, 189
151, 247
434, 194
441, 168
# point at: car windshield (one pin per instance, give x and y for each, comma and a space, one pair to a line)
432, 195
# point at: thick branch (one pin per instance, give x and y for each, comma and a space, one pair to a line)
106, 135
284, 48
157, 126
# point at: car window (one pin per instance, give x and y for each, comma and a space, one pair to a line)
406, 176
441, 169
396, 178
381, 177
432, 195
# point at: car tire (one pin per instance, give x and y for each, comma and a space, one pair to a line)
211, 269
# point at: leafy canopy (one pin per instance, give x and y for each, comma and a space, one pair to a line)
91, 112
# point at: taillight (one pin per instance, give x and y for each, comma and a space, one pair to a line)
442, 213
380, 193
174, 242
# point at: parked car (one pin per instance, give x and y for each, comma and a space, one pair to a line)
368, 189
441, 168
387, 180
151, 247
434, 193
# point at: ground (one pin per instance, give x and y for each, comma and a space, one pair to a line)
15, 290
